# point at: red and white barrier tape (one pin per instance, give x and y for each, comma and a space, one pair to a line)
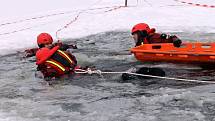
196, 4
112, 8
34, 18
76, 18
50, 15
15, 31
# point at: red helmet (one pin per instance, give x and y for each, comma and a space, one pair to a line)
141, 27
44, 38
43, 54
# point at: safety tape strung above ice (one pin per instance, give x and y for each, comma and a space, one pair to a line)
76, 18
110, 8
196, 4
51, 15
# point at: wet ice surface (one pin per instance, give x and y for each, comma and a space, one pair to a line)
26, 97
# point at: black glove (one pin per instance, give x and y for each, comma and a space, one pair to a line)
64, 47
73, 46
177, 42
163, 36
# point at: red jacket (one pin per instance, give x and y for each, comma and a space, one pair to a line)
159, 38
55, 64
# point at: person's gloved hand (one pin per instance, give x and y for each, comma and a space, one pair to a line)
73, 46
177, 42
64, 47
30, 52
163, 36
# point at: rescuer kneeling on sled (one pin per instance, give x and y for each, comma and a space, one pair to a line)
51, 60
142, 34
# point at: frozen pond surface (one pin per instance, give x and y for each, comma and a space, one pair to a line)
24, 96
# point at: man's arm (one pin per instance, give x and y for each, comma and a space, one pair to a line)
64, 47
30, 52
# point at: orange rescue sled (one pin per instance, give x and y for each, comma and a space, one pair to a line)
194, 53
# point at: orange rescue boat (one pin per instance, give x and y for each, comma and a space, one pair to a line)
194, 53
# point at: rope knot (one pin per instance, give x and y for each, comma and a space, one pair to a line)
89, 71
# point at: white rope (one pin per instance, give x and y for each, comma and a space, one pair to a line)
171, 78
99, 72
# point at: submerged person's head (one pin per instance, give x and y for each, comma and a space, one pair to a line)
44, 40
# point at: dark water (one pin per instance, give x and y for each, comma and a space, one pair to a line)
25, 96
